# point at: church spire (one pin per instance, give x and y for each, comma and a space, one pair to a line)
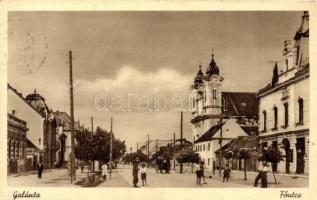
212, 69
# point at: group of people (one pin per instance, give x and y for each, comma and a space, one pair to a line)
135, 172
200, 172
163, 164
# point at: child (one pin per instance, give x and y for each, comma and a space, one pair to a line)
143, 173
104, 171
226, 174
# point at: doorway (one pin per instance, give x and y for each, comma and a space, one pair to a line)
288, 155
300, 152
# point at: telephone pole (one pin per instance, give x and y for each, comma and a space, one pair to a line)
181, 164
92, 124
110, 171
174, 141
148, 149
72, 155
220, 142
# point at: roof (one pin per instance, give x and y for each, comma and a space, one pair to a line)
62, 118
29, 144
240, 142
241, 104
250, 130
210, 133
20, 95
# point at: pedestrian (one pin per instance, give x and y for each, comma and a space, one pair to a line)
82, 166
202, 168
40, 168
265, 169
135, 170
143, 173
104, 169
198, 173
262, 174
226, 174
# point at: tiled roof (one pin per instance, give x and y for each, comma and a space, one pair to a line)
29, 144
250, 130
209, 134
241, 104
240, 142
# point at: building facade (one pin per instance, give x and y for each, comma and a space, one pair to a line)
41, 136
16, 144
284, 105
237, 112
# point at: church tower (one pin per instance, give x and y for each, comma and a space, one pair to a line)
206, 99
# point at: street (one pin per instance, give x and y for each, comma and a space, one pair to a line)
122, 177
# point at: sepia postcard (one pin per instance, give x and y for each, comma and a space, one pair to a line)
158, 100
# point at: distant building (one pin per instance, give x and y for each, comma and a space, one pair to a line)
209, 104
63, 137
41, 139
16, 144
284, 104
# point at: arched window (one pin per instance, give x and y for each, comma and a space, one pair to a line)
214, 93
264, 120
286, 114
224, 103
275, 117
300, 110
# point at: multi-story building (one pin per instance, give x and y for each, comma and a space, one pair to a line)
16, 147
41, 141
218, 115
284, 104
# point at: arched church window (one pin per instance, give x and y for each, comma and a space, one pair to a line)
214, 93
224, 103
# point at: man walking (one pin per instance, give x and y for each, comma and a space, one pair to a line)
135, 171
262, 169
40, 168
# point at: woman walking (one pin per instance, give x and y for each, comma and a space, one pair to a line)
143, 173
104, 168
198, 173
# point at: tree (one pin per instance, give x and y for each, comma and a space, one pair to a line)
272, 155
91, 147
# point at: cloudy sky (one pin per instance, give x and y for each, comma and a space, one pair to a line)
126, 60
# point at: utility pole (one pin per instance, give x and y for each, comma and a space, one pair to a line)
148, 149
174, 141
72, 153
92, 124
110, 171
181, 164
220, 142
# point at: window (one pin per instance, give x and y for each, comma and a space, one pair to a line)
9, 149
286, 64
204, 147
297, 55
214, 93
224, 103
264, 120
208, 161
39, 141
208, 146
275, 117
285, 114
300, 111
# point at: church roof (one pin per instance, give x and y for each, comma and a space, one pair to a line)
212, 68
207, 136
199, 77
241, 104
241, 142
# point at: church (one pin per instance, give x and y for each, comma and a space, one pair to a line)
219, 116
